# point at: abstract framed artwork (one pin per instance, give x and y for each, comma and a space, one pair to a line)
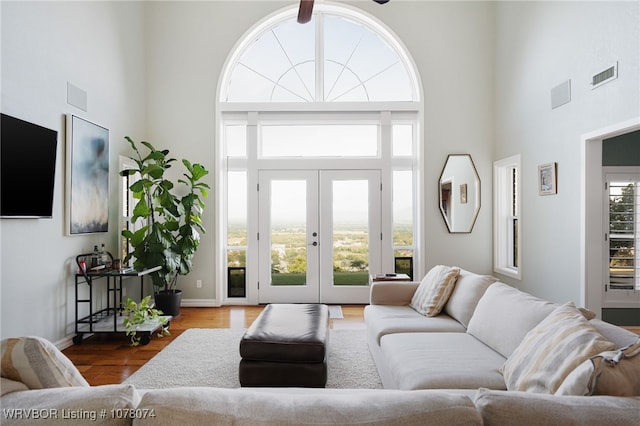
87, 183
547, 179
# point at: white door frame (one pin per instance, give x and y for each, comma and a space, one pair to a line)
591, 211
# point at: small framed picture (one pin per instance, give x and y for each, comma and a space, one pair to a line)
463, 193
547, 183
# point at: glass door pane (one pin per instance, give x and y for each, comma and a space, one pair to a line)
288, 232
288, 218
350, 232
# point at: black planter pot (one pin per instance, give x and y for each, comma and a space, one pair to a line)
168, 301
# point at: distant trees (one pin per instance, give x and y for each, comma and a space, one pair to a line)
622, 210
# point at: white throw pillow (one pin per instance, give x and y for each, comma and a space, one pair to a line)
434, 290
37, 363
552, 350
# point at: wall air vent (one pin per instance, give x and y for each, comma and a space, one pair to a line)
605, 76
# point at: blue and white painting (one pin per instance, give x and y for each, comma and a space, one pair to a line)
89, 177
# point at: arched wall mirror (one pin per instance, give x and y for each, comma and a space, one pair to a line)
459, 193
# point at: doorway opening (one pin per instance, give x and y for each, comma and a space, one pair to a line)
595, 252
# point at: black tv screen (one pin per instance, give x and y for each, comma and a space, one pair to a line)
27, 168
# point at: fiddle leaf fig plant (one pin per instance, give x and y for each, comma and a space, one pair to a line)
171, 214
139, 314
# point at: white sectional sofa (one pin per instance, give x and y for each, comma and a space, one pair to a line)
467, 345
443, 370
126, 405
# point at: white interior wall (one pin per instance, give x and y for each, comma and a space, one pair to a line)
99, 48
538, 46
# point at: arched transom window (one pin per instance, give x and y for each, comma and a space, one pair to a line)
336, 57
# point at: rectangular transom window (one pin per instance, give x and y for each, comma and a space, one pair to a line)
319, 140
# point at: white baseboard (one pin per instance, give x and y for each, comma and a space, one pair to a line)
200, 303
66, 342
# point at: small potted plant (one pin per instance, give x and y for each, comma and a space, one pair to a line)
138, 315
172, 217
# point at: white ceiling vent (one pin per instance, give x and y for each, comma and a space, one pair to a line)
605, 76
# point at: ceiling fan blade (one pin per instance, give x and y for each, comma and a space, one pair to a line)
305, 11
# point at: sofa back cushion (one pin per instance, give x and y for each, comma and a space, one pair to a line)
504, 315
467, 292
618, 335
190, 406
524, 408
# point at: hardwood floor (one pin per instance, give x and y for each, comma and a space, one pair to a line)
108, 359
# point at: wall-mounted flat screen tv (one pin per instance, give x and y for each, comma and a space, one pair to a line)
27, 169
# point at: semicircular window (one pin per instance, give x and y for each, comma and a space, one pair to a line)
333, 58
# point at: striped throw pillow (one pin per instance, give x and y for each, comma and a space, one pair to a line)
38, 364
552, 350
434, 290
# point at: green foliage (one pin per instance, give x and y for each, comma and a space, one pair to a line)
137, 314
622, 208
621, 223
339, 279
298, 265
173, 224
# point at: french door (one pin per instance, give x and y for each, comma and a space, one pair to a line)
319, 235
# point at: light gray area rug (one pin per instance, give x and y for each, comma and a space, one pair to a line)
210, 357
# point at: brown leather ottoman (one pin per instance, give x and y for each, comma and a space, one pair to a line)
286, 346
